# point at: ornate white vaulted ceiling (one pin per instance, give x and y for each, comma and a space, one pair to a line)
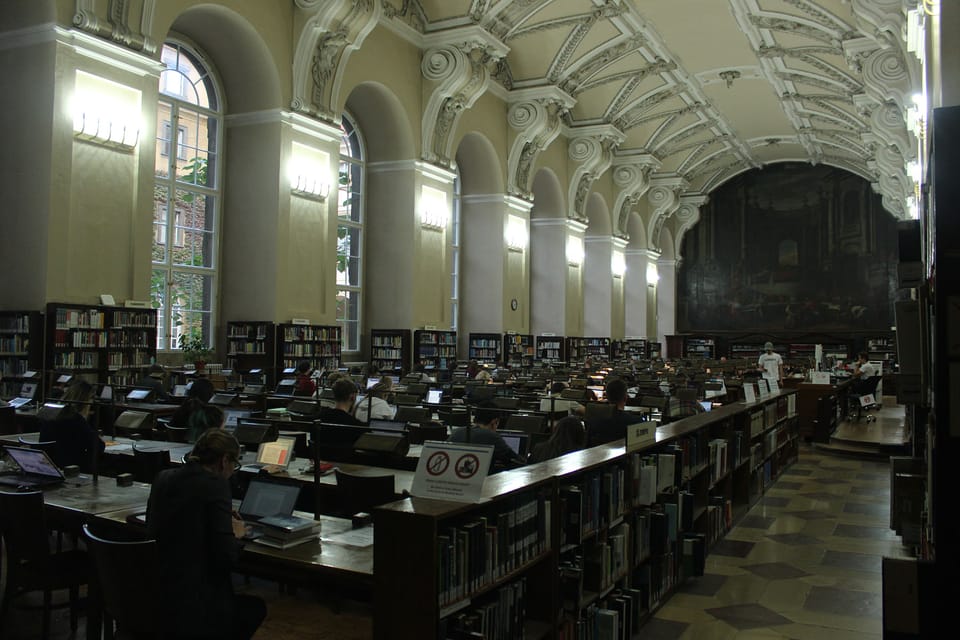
711, 88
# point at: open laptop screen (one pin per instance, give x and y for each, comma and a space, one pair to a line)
517, 442
706, 404
34, 461
387, 425
372, 381
434, 396
279, 452
264, 499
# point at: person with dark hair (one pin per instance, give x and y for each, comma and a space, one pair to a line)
568, 435
194, 413
864, 368
304, 386
374, 405
561, 404
154, 381
486, 419
76, 440
345, 396
190, 515
614, 427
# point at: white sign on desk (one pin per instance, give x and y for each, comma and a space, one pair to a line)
820, 377
451, 471
748, 392
774, 385
641, 434
762, 388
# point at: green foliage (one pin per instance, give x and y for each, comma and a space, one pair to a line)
195, 172
194, 346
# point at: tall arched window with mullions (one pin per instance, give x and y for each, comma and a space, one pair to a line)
350, 218
187, 197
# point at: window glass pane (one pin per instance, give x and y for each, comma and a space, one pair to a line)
348, 258
348, 312
160, 205
164, 129
192, 166
191, 299
184, 79
158, 297
193, 230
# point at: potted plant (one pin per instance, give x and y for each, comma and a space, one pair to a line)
194, 348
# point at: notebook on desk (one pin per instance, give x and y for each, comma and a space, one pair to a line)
273, 457
36, 469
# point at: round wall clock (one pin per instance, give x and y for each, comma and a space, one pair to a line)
514, 304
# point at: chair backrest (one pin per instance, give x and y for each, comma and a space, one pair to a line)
147, 464
361, 493
128, 576
418, 389
526, 423
655, 402
406, 399
454, 418
177, 434
23, 527
687, 393
49, 447
505, 402
571, 393
594, 411
419, 434
417, 415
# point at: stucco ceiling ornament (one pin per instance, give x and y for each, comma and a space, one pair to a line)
116, 24
592, 147
664, 198
409, 12
536, 116
631, 175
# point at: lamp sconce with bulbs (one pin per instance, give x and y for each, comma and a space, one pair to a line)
575, 251
433, 209
106, 113
652, 275
307, 187
516, 235
618, 264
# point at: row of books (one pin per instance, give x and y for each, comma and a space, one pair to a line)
117, 360
484, 343
485, 549
330, 363
719, 518
132, 339
655, 578
242, 346
433, 352
386, 352
135, 319
618, 616
256, 331
12, 368
719, 460
283, 532
77, 360
693, 452
311, 349
437, 338
79, 319
15, 324
306, 333
15, 345
386, 341
79, 339
499, 617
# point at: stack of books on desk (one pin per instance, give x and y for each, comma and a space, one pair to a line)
283, 532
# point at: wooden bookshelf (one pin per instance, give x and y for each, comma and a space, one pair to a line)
611, 527
250, 345
518, 350
435, 350
390, 350
702, 348
580, 348
320, 345
551, 349
100, 344
21, 350
484, 347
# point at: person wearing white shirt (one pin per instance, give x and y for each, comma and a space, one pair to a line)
865, 368
770, 363
374, 405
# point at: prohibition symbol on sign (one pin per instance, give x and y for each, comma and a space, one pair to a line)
467, 466
438, 463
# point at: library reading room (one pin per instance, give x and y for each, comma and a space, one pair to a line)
479, 319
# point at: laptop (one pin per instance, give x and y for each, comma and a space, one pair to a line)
36, 469
286, 387
225, 399
273, 457
372, 381
516, 440
139, 395
232, 416
16, 403
387, 425
180, 390
706, 404
264, 499
434, 396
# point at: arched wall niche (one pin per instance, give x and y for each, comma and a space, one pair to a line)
548, 199
598, 216
637, 231
665, 243
382, 122
480, 169
241, 58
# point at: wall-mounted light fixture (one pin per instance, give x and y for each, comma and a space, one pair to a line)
105, 112
575, 250
917, 114
434, 213
618, 264
652, 276
517, 236
308, 172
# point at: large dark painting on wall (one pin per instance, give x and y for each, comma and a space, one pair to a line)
790, 247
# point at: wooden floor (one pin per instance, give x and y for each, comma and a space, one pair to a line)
889, 428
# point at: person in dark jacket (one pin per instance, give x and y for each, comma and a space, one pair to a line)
195, 414
614, 427
198, 541
76, 440
568, 435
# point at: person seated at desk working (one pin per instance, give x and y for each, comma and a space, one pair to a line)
568, 435
556, 391
195, 414
374, 405
864, 368
154, 381
189, 513
76, 440
613, 427
677, 408
304, 385
484, 431
345, 396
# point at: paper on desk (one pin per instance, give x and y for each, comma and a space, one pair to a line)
119, 447
362, 537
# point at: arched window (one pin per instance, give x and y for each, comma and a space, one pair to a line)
350, 234
455, 255
186, 197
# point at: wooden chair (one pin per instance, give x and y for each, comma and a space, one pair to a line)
31, 566
356, 493
178, 434
454, 418
126, 585
506, 402
147, 464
